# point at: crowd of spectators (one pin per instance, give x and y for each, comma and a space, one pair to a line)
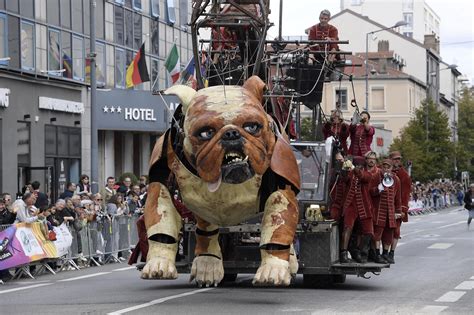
77, 206
437, 194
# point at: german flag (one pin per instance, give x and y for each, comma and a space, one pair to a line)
137, 71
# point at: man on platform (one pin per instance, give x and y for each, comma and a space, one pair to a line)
324, 31
405, 182
357, 206
386, 198
338, 128
362, 134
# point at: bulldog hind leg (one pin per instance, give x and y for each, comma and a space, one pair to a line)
163, 224
278, 230
207, 268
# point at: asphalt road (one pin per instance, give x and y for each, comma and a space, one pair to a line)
434, 273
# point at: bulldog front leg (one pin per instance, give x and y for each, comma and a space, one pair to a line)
278, 230
207, 266
163, 224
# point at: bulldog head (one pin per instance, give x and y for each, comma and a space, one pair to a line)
227, 132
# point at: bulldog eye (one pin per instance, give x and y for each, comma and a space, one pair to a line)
205, 134
252, 128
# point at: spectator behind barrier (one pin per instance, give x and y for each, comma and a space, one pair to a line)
6, 216
22, 209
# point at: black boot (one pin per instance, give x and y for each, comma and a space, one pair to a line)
391, 257
355, 254
372, 254
378, 258
364, 247
344, 257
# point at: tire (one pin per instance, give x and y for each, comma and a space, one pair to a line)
318, 281
229, 277
339, 278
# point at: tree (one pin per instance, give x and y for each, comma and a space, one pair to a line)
427, 146
465, 143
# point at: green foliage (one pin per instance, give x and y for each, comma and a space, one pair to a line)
430, 151
307, 129
132, 177
465, 144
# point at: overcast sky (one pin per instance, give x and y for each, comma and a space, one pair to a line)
457, 25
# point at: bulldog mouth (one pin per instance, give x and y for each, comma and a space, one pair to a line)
235, 169
233, 158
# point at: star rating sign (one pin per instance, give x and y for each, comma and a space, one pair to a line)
112, 109
119, 109
106, 109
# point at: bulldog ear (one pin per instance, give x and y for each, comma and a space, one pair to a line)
185, 94
256, 86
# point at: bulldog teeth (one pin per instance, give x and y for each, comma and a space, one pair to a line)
246, 158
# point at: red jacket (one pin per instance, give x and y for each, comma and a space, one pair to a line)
361, 139
386, 203
340, 130
405, 182
317, 32
357, 193
337, 195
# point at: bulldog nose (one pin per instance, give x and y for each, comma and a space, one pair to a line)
232, 134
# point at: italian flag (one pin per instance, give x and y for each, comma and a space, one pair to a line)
172, 64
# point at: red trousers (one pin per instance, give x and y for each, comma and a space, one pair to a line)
384, 234
350, 217
387, 238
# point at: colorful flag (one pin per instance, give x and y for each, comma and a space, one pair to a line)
187, 76
137, 71
172, 64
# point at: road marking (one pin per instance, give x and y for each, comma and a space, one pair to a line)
400, 244
451, 296
433, 309
126, 268
25, 288
466, 285
85, 277
436, 213
158, 301
452, 224
441, 245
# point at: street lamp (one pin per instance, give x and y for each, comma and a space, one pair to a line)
398, 24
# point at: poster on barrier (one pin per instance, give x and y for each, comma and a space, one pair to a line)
24, 243
63, 240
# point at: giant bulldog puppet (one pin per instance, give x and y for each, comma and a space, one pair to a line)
229, 164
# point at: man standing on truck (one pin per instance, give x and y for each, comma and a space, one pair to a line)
405, 182
386, 198
324, 31
362, 134
357, 205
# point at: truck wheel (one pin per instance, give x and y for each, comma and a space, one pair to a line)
229, 277
339, 278
317, 281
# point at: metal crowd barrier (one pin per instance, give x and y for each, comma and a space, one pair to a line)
95, 243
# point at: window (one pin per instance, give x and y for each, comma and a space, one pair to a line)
66, 54
154, 75
119, 1
66, 13
12, 6
154, 37
155, 8
378, 98
14, 41
27, 8
99, 19
171, 13
183, 12
86, 9
100, 63
128, 16
52, 12
50, 140
23, 144
407, 5
119, 68
27, 46
341, 99
77, 15
408, 18
137, 4
78, 58
54, 51
128, 3
408, 34
137, 31
3, 39
118, 23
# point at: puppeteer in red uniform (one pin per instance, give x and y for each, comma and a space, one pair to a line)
324, 31
362, 134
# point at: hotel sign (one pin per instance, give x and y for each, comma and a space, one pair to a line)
4, 97
61, 105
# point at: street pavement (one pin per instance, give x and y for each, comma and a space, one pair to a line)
434, 273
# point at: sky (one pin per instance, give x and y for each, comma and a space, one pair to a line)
456, 34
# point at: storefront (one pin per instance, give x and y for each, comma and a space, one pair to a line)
40, 133
128, 123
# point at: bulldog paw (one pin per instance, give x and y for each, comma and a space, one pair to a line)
273, 274
159, 268
207, 271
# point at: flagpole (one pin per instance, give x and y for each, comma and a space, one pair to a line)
94, 130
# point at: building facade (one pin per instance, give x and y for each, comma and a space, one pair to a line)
45, 112
421, 19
